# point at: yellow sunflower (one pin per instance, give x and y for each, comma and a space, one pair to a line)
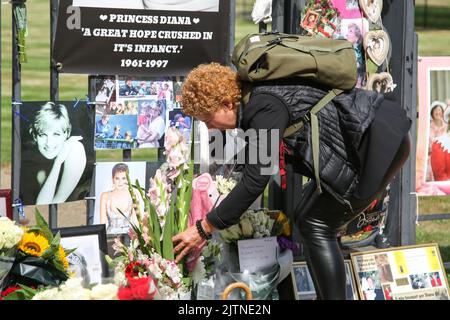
33, 244
62, 257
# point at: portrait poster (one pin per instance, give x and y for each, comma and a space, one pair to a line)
112, 195
57, 157
402, 273
140, 37
433, 142
87, 261
304, 286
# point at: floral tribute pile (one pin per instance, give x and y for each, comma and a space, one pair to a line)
30, 258
149, 258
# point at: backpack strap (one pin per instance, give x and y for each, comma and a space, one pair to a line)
314, 130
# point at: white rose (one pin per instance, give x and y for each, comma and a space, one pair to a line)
50, 294
104, 292
75, 294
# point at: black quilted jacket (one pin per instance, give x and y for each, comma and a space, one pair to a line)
342, 124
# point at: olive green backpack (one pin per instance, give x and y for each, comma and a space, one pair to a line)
273, 55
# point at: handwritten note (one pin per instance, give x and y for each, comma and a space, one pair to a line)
257, 254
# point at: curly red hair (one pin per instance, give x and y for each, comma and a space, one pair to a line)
209, 87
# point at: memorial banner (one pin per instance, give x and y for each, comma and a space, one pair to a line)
158, 38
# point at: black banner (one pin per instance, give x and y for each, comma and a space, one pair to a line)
152, 42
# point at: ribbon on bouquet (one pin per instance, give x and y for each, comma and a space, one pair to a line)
20, 16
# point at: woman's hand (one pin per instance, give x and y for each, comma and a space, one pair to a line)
187, 240
190, 239
66, 149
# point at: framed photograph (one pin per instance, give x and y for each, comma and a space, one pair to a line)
433, 144
303, 284
310, 21
57, 157
6, 203
402, 273
88, 260
304, 287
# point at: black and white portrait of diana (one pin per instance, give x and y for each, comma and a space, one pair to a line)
171, 5
56, 156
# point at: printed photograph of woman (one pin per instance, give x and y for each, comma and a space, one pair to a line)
56, 156
113, 205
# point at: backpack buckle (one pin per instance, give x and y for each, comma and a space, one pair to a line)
274, 41
305, 118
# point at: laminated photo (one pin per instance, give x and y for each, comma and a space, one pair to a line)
151, 124
57, 156
177, 119
115, 132
113, 202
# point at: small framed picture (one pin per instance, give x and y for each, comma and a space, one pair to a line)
326, 28
304, 287
5, 203
310, 21
303, 284
403, 273
88, 260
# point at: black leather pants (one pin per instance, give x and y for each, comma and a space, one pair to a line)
319, 219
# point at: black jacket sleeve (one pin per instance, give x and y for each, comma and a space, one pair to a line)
263, 112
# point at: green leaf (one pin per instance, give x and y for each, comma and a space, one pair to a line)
42, 224
188, 197
54, 246
157, 228
168, 233
69, 251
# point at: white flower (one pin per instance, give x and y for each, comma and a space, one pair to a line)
50, 294
104, 292
224, 186
10, 234
119, 276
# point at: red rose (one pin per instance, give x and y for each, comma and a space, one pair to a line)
132, 270
138, 289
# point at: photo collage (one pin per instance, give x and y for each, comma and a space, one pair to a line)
135, 112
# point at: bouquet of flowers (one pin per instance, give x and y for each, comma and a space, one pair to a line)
255, 224
36, 256
149, 259
73, 289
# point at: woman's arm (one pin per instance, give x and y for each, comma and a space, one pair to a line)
74, 166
